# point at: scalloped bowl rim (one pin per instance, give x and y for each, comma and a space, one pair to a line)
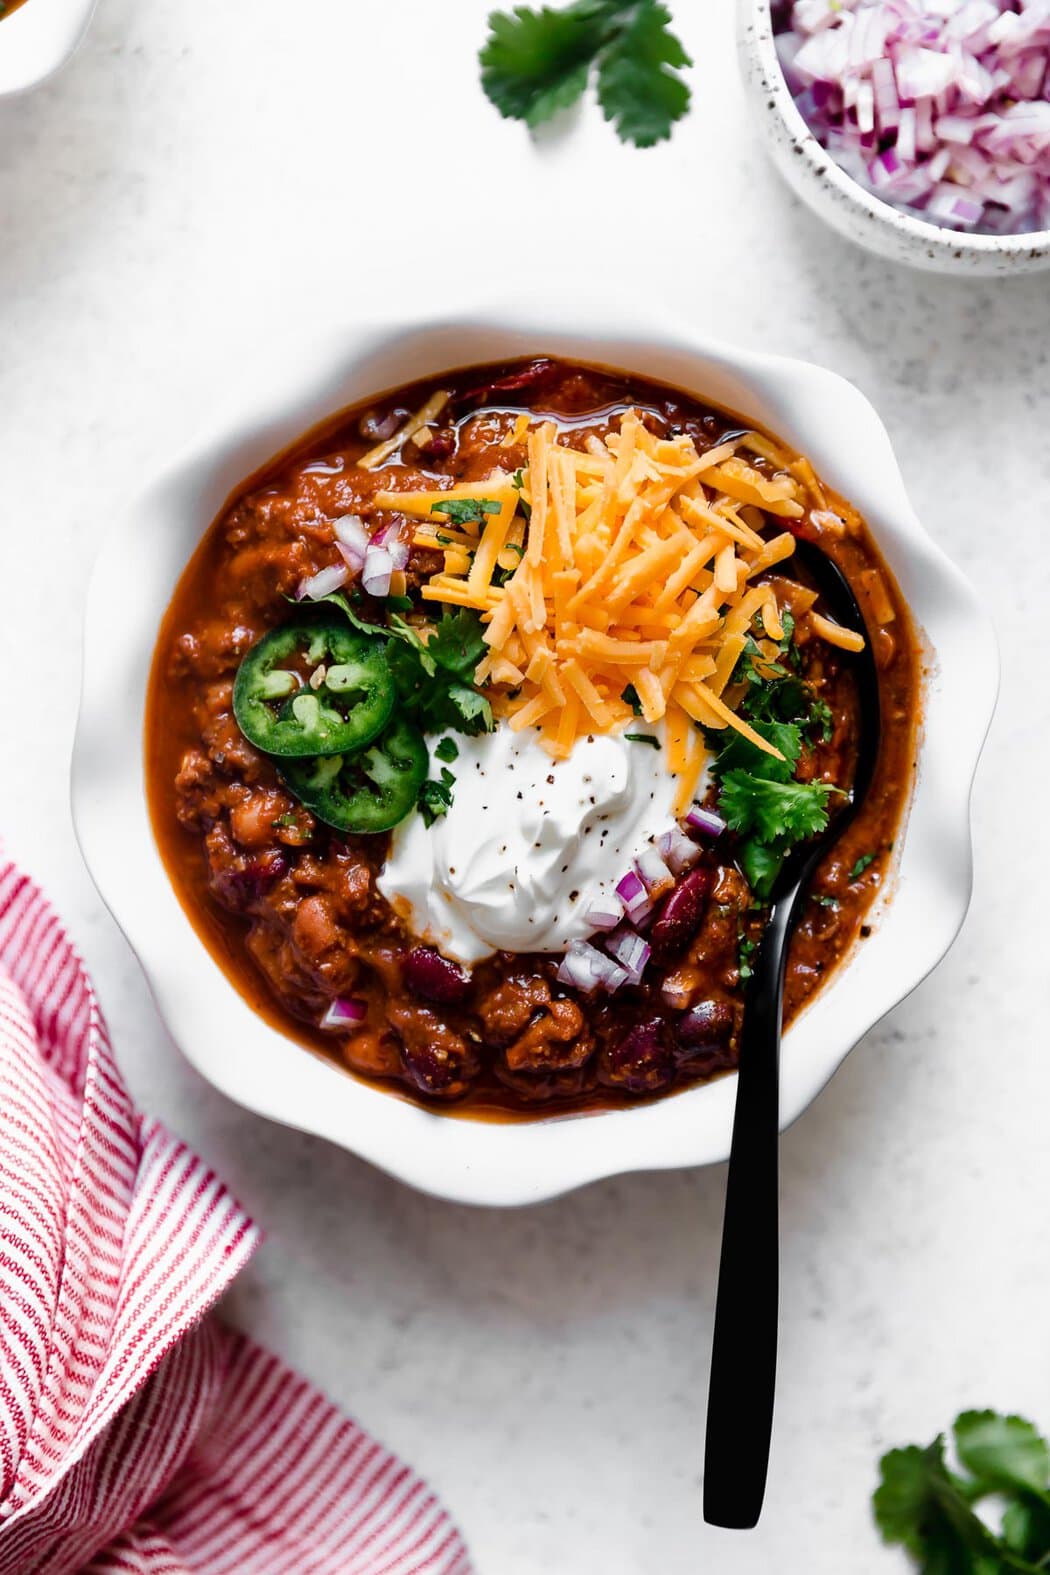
1028, 247
262, 1069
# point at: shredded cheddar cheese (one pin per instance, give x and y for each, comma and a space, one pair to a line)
630, 561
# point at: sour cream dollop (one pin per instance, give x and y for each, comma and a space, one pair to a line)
530, 845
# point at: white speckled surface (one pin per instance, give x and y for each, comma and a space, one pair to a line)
191, 177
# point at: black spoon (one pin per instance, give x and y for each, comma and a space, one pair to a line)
744, 1354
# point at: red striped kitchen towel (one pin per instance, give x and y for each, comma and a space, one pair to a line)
136, 1434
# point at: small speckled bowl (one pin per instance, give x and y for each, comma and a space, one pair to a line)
832, 194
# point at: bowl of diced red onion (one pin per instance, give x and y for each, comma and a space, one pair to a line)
918, 128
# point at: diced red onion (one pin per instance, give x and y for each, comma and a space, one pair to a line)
587, 969
352, 540
606, 913
388, 536
678, 850
705, 821
956, 128
654, 872
344, 1011
378, 567
632, 892
323, 583
898, 90
631, 952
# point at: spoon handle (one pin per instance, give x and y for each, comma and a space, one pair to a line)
744, 1354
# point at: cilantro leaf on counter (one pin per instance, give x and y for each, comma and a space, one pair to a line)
927, 1508
1005, 1451
538, 61
639, 89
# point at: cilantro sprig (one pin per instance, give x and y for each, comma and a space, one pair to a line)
434, 675
758, 796
926, 1507
538, 61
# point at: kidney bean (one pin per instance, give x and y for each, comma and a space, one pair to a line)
641, 1061
433, 977
436, 1058
679, 918
436, 442
239, 887
705, 1025
376, 428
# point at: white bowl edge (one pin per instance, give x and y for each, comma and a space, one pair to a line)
37, 39
463, 1160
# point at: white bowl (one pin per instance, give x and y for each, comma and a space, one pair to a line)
837, 198
255, 1064
38, 38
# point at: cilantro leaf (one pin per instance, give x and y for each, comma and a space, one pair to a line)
457, 643
460, 707
433, 672
447, 749
1026, 1528
538, 61
927, 1508
919, 1506
1006, 1451
740, 754
638, 88
435, 797
466, 511
821, 723
865, 860
342, 601
761, 863
773, 811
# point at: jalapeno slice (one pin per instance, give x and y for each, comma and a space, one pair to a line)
370, 791
313, 687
